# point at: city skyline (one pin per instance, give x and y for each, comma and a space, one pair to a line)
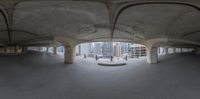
108, 49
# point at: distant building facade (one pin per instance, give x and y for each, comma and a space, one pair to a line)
108, 49
125, 48
97, 49
137, 50
85, 49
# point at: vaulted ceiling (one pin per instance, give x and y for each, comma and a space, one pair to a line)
38, 22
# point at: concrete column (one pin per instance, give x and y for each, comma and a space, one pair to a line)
8, 50
174, 50
23, 49
166, 51
181, 50
197, 51
188, 50
69, 45
159, 50
55, 50
47, 49
69, 54
40, 49
152, 55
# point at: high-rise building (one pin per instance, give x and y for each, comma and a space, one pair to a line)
107, 49
86, 49
137, 50
125, 48
97, 50
117, 49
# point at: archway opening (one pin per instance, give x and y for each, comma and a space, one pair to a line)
110, 52
107, 49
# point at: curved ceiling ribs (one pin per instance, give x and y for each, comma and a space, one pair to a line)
7, 26
115, 9
33, 34
171, 24
125, 5
190, 33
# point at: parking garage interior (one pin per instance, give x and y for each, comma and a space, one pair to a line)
45, 49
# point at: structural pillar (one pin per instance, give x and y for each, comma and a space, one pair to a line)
197, 51
181, 50
24, 49
69, 54
159, 52
174, 50
55, 50
166, 50
47, 49
152, 55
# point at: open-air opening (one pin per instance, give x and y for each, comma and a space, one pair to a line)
109, 50
110, 53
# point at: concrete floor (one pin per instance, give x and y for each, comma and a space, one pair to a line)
45, 76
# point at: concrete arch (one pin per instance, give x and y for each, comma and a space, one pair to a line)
153, 44
152, 56
126, 5
173, 22
69, 45
3, 13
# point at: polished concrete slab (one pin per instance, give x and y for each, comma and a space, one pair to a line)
45, 76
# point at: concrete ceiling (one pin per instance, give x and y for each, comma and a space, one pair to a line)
38, 22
